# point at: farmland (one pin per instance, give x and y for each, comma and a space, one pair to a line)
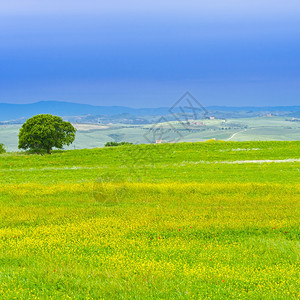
92, 135
216, 220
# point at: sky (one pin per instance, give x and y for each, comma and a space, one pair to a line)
147, 54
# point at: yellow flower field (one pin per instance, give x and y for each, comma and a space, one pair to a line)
155, 240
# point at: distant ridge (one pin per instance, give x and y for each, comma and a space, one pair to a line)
18, 111
10, 112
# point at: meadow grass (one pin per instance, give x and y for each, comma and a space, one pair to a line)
164, 222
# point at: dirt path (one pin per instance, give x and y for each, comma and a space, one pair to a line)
236, 134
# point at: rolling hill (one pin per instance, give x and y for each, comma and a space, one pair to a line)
20, 112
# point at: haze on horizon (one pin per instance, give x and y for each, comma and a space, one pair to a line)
140, 54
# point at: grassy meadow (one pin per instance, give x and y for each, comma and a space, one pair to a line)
209, 220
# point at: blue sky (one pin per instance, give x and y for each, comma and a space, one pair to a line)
143, 54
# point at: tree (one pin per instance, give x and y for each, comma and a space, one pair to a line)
2, 149
44, 132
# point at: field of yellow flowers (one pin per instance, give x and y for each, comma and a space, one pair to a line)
93, 224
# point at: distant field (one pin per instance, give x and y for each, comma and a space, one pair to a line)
243, 129
215, 220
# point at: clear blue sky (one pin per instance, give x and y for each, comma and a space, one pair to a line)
147, 54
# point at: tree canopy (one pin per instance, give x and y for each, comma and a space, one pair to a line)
44, 132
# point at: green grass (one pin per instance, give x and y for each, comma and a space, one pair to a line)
173, 221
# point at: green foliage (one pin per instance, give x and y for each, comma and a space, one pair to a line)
44, 132
114, 144
2, 149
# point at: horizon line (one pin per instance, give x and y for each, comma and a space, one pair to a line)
158, 107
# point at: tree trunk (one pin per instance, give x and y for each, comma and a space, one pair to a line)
48, 150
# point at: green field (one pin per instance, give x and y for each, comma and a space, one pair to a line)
209, 220
240, 129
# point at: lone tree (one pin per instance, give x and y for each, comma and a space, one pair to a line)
43, 132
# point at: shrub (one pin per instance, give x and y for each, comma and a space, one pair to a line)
114, 144
2, 149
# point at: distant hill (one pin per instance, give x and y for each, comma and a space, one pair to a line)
20, 112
